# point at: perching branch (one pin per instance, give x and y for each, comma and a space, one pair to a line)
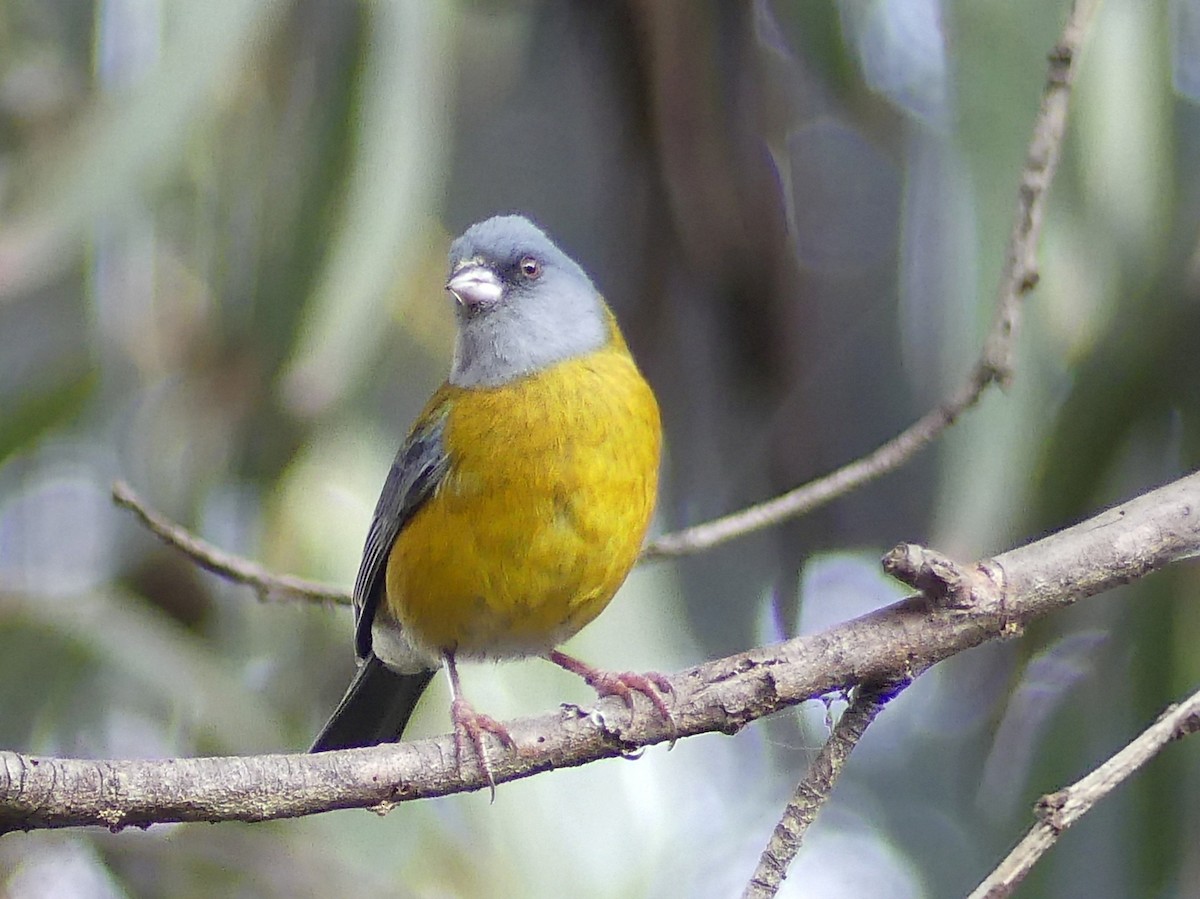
990, 600
1058, 811
995, 366
814, 790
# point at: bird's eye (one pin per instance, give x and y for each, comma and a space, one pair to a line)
530, 267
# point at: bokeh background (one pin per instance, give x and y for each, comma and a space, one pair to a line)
223, 229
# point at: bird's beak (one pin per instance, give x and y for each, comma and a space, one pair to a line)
475, 285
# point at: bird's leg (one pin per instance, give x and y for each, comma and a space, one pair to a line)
623, 684
470, 725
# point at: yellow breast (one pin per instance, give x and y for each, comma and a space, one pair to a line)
542, 513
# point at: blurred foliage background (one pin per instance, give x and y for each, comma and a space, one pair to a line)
223, 229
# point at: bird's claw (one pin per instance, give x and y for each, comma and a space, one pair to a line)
469, 728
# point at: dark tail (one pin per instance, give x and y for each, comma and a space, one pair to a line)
375, 709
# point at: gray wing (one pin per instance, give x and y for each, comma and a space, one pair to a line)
419, 467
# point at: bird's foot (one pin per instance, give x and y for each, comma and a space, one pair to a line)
624, 684
469, 728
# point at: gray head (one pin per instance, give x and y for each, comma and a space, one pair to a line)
523, 304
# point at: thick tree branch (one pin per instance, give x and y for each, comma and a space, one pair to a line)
814, 790
1060, 810
997, 597
995, 366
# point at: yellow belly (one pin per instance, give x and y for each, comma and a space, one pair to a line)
541, 515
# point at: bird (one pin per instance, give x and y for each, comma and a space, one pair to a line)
518, 502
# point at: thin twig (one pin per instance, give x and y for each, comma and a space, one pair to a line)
813, 791
995, 366
267, 585
1058, 811
900, 641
